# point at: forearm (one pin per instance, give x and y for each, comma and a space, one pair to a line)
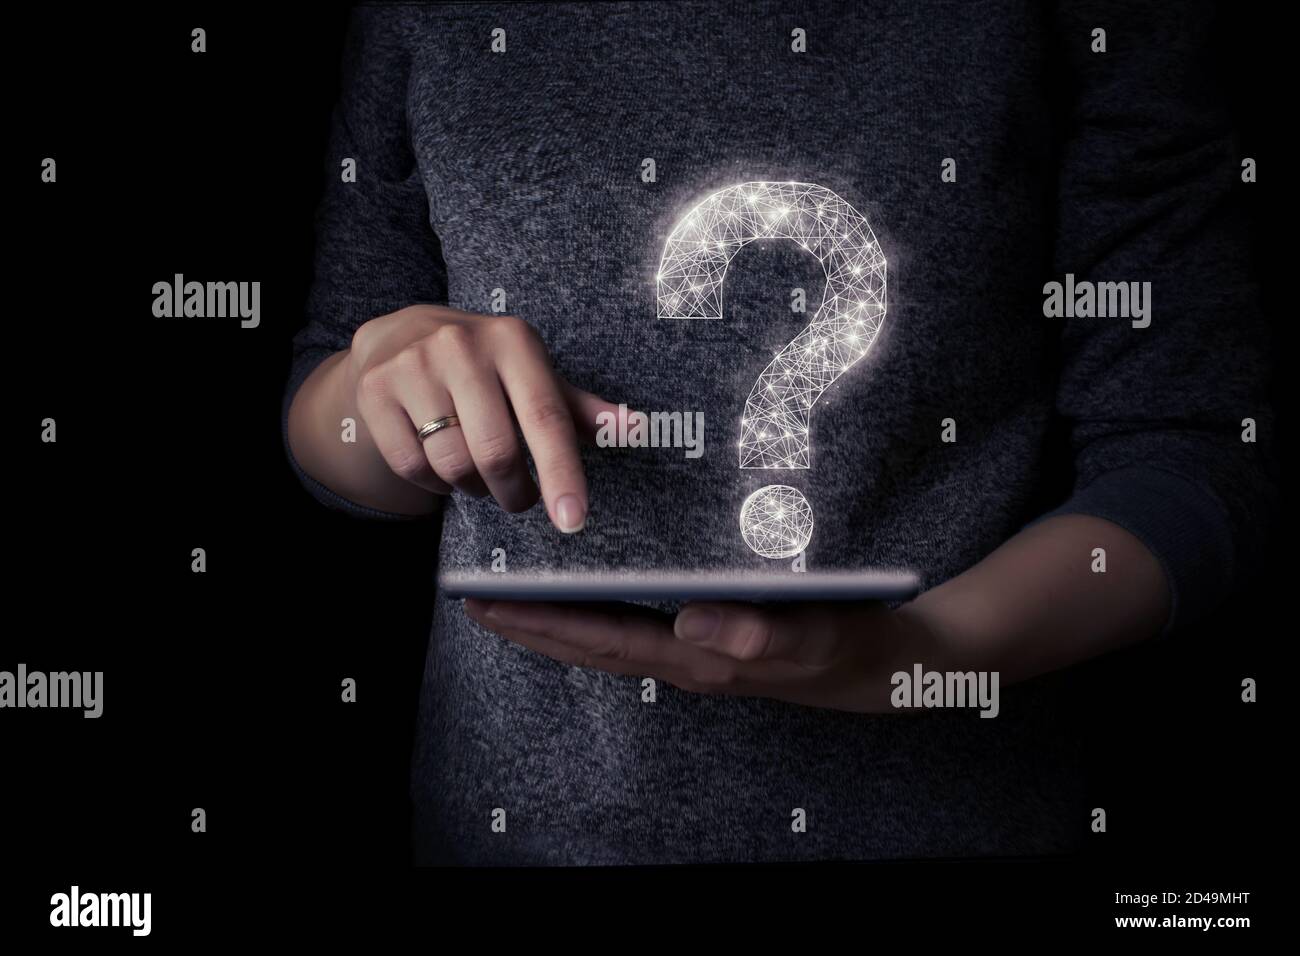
1036, 605
356, 470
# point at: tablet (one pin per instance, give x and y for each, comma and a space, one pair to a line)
756, 586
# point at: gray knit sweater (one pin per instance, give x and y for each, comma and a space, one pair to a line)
521, 171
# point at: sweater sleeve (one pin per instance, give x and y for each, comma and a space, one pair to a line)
1146, 194
375, 249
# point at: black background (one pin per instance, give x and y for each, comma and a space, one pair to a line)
222, 689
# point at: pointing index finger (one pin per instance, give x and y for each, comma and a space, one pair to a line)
541, 403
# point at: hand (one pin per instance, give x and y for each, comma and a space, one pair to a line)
839, 656
424, 362
1030, 607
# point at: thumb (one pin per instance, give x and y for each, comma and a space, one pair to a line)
809, 634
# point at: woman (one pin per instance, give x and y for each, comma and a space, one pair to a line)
1065, 486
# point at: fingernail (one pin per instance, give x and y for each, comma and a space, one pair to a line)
570, 514
697, 624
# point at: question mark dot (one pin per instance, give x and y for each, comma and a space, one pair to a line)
776, 521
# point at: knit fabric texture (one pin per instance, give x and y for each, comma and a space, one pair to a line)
521, 171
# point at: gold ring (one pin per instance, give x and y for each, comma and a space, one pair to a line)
437, 425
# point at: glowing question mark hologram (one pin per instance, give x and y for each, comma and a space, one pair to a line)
776, 521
